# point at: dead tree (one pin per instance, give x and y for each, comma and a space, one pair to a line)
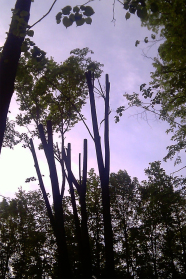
57, 221
83, 237
104, 169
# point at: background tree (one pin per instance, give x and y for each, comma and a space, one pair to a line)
124, 200
166, 93
57, 92
159, 227
27, 242
149, 226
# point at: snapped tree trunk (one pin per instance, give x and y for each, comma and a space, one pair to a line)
84, 243
9, 59
104, 168
63, 259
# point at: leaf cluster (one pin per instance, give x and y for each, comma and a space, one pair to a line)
47, 90
135, 6
79, 14
26, 239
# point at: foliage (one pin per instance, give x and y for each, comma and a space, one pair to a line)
148, 219
47, 90
166, 19
123, 191
11, 137
80, 14
26, 239
149, 224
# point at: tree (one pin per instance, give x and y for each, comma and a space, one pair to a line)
50, 92
12, 48
104, 170
124, 199
95, 223
9, 58
167, 21
26, 239
160, 245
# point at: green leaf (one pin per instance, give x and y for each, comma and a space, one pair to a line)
137, 43
127, 16
126, 6
72, 17
88, 20
67, 22
80, 22
77, 16
142, 13
154, 7
30, 33
88, 11
23, 13
22, 35
76, 9
132, 9
82, 8
58, 17
24, 47
66, 10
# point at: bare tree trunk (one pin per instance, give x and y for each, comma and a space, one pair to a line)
104, 168
81, 188
9, 60
63, 260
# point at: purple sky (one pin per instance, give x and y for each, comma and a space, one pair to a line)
134, 142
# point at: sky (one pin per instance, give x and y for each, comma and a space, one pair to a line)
137, 139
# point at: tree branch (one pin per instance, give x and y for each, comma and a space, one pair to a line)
42, 16
73, 106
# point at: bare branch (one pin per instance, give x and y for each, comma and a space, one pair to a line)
113, 13
86, 2
178, 170
120, 2
43, 16
80, 115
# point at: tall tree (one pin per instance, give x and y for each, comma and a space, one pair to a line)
167, 21
10, 57
12, 48
104, 170
123, 207
159, 224
26, 238
46, 91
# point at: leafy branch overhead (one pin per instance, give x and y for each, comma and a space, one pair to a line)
80, 15
138, 7
47, 90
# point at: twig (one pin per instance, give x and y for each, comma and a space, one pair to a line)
178, 170
113, 13
86, 2
120, 2
73, 106
43, 16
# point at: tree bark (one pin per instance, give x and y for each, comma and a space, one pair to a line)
81, 188
104, 175
42, 187
9, 60
63, 259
